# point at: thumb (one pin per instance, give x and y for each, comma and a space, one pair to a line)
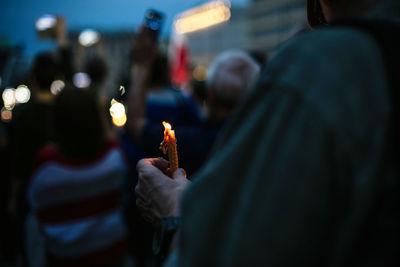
179, 174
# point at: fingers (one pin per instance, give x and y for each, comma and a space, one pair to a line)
150, 163
161, 163
179, 174
153, 168
157, 195
146, 167
150, 176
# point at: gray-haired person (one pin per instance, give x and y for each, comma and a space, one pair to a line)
230, 77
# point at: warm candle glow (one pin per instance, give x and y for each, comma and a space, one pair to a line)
167, 125
168, 145
119, 122
203, 16
169, 135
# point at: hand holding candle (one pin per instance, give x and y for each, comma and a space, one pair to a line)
168, 145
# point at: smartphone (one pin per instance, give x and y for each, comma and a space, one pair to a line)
45, 26
153, 21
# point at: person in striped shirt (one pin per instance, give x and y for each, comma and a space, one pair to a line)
75, 191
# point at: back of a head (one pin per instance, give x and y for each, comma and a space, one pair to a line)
230, 76
96, 68
77, 125
45, 70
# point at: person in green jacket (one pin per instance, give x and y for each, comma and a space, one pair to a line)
301, 176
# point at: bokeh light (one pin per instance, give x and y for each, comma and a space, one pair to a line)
119, 122
200, 73
117, 109
202, 17
56, 87
81, 80
45, 22
9, 98
22, 94
6, 115
89, 37
118, 113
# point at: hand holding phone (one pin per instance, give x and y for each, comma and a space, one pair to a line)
153, 22
144, 48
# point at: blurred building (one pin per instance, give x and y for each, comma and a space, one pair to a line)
115, 48
261, 26
205, 44
271, 22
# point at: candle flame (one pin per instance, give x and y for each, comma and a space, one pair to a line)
169, 135
167, 125
168, 145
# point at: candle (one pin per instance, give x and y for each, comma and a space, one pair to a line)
168, 145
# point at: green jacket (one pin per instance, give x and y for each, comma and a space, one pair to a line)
293, 178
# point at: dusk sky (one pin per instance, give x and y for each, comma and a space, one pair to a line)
17, 17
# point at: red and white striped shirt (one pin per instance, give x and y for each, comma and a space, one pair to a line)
78, 205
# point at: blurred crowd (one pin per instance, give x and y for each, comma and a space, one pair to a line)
281, 163
69, 155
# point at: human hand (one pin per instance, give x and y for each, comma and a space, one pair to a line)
145, 49
158, 195
144, 53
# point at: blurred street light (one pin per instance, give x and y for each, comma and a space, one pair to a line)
9, 98
200, 73
203, 16
119, 122
118, 113
117, 109
89, 37
46, 22
22, 94
81, 80
56, 87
